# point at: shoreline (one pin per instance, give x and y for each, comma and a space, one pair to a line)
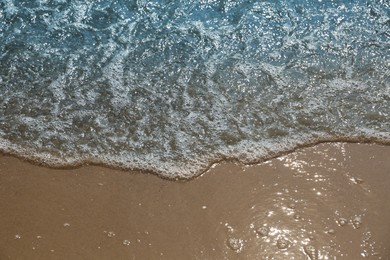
37, 161
329, 199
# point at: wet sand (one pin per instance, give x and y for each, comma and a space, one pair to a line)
330, 201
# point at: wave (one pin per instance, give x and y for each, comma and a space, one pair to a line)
172, 86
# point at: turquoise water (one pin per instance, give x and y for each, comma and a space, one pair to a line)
170, 86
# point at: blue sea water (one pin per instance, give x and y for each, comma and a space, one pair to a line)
170, 86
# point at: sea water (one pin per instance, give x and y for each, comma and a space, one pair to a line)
170, 86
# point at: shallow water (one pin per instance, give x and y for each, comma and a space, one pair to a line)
169, 86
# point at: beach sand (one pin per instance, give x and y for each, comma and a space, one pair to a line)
329, 201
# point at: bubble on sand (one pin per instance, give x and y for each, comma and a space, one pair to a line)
297, 216
367, 236
126, 242
357, 222
229, 228
235, 244
18, 236
66, 225
110, 233
331, 231
291, 206
357, 180
342, 221
311, 252
263, 231
282, 243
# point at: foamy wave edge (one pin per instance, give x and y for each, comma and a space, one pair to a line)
245, 153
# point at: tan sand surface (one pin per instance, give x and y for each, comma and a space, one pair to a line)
329, 201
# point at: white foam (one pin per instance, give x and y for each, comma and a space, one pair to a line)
172, 89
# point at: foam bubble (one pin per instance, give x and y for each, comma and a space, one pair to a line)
311, 252
342, 221
110, 233
282, 243
236, 244
357, 222
263, 231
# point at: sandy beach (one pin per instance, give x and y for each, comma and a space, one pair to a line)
329, 201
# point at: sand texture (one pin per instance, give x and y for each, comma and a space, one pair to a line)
330, 201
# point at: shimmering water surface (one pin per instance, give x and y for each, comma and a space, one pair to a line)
170, 86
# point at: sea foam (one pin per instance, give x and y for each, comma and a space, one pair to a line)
172, 86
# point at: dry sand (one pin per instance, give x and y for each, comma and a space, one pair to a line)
331, 201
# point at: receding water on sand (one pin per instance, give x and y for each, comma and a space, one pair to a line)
324, 202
